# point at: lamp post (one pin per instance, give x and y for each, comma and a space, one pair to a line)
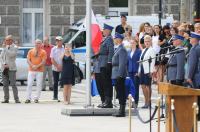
160, 11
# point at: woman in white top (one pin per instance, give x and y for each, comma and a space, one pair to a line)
156, 47
145, 71
128, 38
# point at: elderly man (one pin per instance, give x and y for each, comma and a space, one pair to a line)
176, 63
48, 65
8, 66
36, 59
119, 72
56, 59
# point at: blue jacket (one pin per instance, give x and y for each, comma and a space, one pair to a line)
133, 65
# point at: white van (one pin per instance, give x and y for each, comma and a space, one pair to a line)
76, 34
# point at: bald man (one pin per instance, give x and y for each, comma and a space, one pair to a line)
8, 67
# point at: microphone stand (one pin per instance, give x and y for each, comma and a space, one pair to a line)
150, 61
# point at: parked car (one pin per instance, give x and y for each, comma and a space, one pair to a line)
22, 65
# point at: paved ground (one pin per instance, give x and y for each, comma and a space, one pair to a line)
46, 116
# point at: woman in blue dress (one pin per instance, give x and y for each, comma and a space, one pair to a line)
67, 74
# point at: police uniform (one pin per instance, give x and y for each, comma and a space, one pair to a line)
176, 63
105, 58
119, 73
193, 70
194, 63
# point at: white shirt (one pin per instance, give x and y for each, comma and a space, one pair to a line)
127, 45
132, 53
155, 44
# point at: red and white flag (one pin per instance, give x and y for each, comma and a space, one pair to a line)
96, 35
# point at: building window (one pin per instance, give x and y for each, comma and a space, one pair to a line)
118, 3
33, 18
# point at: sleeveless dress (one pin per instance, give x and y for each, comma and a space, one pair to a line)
67, 74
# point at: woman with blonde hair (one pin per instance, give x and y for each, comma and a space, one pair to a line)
128, 37
67, 74
145, 70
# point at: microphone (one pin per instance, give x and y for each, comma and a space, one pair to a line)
179, 50
170, 46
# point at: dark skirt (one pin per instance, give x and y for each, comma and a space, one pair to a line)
145, 79
67, 81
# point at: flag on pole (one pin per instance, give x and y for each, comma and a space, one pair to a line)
96, 35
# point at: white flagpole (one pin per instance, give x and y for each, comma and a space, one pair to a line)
88, 51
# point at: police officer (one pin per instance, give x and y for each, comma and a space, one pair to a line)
193, 70
119, 72
105, 63
175, 66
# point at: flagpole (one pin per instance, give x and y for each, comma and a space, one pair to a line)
88, 52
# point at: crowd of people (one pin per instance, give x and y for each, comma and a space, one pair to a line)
145, 57
43, 59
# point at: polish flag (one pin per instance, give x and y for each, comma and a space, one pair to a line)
96, 35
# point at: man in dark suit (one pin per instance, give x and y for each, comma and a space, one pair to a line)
105, 63
119, 73
176, 63
121, 28
193, 70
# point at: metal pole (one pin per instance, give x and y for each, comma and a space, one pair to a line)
160, 11
172, 117
88, 48
195, 112
130, 102
158, 114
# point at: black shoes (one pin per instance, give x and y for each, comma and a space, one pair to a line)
121, 112
28, 101
5, 101
43, 89
50, 88
17, 102
36, 101
107, 105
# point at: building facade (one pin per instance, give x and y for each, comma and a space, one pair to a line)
27, 20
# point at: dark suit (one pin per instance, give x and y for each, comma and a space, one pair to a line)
133, 66
119, 72
105, 58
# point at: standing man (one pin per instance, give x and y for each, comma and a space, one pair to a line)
176, 63
105, 62
8, 67
194, 64
48, 65
56, 59
121, 28
36, 60
119, 72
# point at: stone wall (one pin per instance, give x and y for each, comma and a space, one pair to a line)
10, 18
65, 12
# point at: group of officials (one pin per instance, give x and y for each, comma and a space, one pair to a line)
112, 63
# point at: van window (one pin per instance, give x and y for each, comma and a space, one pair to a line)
70, 33
80, 40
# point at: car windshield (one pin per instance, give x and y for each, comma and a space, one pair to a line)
70, 33
22, 53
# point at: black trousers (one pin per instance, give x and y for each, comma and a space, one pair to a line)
55, 85
121, 91
106, 81
100, 86
177, 82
